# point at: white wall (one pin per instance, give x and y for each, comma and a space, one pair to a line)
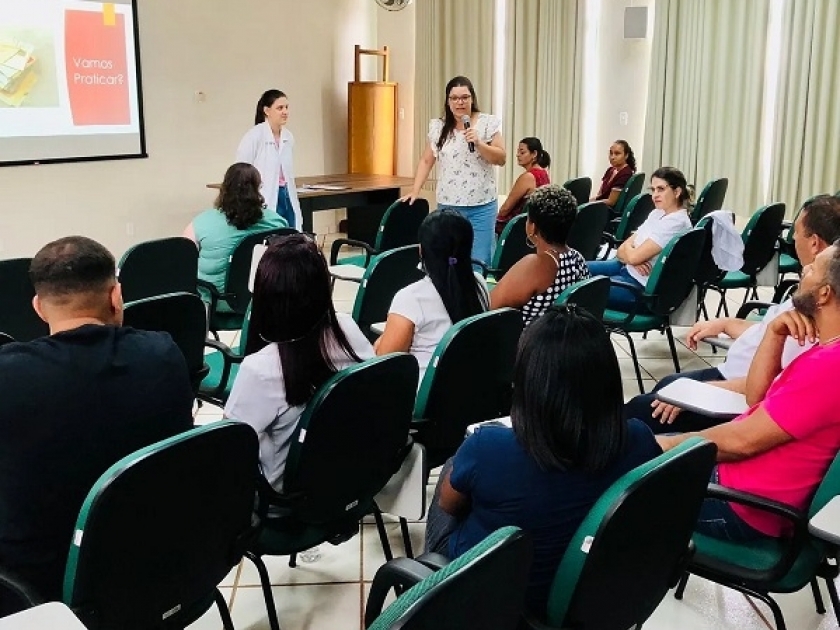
232, 51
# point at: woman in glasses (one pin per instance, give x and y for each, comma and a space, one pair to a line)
465, 144
636, 256
296, 342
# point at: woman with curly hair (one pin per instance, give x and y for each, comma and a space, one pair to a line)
239, 211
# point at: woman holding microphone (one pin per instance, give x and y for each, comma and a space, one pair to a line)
466, 144
268, 146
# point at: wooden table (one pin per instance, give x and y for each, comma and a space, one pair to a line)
366, 198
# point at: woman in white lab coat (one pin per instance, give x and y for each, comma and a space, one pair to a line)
268, 146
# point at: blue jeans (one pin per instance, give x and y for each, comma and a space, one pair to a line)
620, 298
483, 221
718, 520
284, 206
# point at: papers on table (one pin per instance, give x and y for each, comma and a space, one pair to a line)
17, 75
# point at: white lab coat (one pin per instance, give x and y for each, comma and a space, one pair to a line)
258, 148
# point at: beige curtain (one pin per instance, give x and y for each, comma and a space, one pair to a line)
806, 156
454, 37
543, 86
706, 92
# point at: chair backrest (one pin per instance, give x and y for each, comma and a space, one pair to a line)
632, 188
828, 488
386, 274
162, 527
634, 541
635, 213
588, 228
760, 237
511, 246
17, 317
400, 224
183, 316
484, 588
4, 339
158, 267
469, 377
349, 440
710, 199
239, 268
581, 188
590, 294
672, 276
707, 270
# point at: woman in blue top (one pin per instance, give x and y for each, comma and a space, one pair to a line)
567, 446
239, 211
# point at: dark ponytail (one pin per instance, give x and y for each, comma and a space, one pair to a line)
535, 146
266, 100
631, 158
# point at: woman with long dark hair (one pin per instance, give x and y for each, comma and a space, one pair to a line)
465, 144
622, 167
269, 146
531, 156
422, 312
239, 211
568, 445
296, 342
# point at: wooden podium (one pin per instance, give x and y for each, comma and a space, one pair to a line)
372, 120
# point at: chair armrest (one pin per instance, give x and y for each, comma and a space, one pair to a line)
752, 305
215, 296
611, 240
435, 561
396, 573
268, 497
19, 589
793, 545
342, 242
635, 290
229, 358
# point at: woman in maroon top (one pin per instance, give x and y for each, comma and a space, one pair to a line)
534, 159
622, 166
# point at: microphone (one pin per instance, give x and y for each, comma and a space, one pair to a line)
466, 120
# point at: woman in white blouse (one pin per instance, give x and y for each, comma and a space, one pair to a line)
296, 342
465, 155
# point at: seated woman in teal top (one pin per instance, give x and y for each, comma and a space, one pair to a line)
239, 211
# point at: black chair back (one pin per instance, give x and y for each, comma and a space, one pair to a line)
511, 246
632, 188
161, 528
587, 230
158, 267
386, 274
672, 278
760, 237
4, 339
184, 317
401, 223
635, 213
356, 429
590, 294
17, 317
710, 199
581, 188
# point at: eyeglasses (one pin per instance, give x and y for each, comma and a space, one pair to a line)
659, 189
460, 99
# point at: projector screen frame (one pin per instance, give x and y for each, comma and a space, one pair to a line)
143, 154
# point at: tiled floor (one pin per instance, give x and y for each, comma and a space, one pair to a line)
330, 593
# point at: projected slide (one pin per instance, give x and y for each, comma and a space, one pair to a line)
69, 84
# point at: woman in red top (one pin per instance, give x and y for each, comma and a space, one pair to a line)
534, 159
622, 166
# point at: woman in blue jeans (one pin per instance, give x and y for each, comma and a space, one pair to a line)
636, 256
466, 144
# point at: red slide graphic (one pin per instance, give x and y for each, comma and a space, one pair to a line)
97, 77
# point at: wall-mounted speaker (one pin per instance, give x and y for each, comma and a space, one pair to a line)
635, 22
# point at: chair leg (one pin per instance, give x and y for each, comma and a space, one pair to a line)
383, 536
818, 600
293, 561
224, 613
409, 552
635, 363
722, 306
778, 617
265, 582
835, 601
678, 594
673, 347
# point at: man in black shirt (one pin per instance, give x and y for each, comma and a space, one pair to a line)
75, 402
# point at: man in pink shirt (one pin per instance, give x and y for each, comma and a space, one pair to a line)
781, 448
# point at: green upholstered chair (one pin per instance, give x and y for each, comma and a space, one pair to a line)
17, 317
606, 578
670, 283
386, 274
587, 230
350, 440
580, 187
590, 294
161, 528
771, 565
710, 199
227, 308
632, 188
184, 317
223, 364
157, 267
484, 588
399, 226
760, 241
510, 248
635, 213
469, 379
